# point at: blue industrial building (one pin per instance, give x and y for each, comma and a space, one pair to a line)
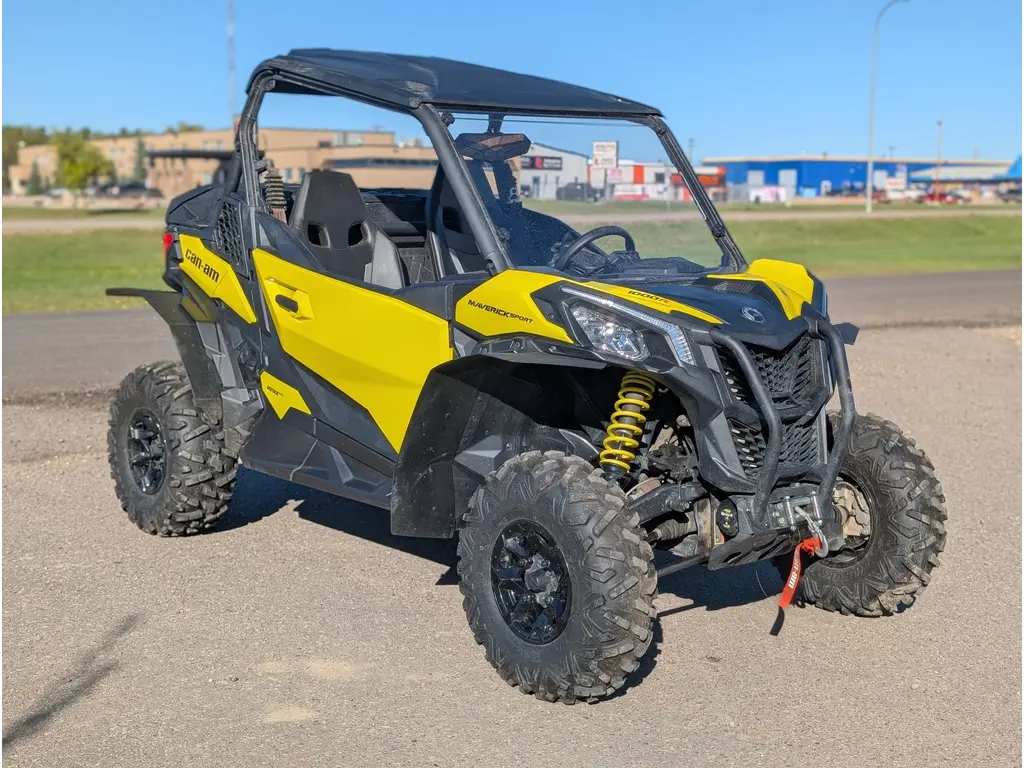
812, 176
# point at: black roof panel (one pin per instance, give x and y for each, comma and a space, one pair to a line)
404, 82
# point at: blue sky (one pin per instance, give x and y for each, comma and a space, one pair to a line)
738, 76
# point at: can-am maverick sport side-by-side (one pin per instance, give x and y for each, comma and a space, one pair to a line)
484, 370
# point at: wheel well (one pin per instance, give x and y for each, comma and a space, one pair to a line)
476, 413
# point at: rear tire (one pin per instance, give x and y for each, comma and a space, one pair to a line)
171, 470
907, 512
603, 571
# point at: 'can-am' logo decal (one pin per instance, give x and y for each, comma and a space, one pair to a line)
202, 266
753, 315
500, 312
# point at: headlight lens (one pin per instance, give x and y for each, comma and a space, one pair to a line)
677, 339
607, 334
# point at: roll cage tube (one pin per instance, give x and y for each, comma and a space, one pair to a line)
246, 141
462, 185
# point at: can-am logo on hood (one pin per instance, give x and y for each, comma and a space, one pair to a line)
753, 315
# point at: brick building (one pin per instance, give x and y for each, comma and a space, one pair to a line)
374, 158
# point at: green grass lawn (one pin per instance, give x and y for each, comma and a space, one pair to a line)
854, 246
67, 272
50, 273
16, 212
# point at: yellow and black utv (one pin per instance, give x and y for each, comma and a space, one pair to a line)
481, 369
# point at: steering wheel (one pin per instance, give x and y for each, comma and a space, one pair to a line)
565, 258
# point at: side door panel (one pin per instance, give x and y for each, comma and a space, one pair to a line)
374, 348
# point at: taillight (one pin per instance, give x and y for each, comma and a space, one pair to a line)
168, 242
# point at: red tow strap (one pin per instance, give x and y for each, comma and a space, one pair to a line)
809, 546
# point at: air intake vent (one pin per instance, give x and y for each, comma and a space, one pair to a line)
227, 236
736, 286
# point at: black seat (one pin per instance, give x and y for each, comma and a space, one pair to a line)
448, 233
331, 216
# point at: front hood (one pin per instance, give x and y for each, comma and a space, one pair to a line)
774, 292
764, 304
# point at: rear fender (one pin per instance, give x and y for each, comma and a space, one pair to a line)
202, 373
474, 414
218, 386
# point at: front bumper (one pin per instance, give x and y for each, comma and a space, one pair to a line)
774, 429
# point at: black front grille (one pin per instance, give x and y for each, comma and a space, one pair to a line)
800, 445
794, 377
227, 236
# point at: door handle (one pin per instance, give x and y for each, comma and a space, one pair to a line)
286, 303
293, 301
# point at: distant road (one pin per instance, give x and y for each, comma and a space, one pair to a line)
135, 221
85, 224
788, 214
47, 354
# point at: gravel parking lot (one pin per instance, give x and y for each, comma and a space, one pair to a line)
302, 633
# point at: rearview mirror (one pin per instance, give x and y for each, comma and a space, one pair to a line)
492, 147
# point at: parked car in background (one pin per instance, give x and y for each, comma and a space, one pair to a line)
579, 191
850, 191
908, 195
1010, 195
128, 190
950, 197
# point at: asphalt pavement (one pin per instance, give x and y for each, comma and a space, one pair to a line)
303, 634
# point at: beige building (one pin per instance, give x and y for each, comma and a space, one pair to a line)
372, 157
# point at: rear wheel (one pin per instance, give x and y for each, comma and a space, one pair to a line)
893, 514
171, 470
557, 579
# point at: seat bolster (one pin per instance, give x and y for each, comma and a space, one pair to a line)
386, 269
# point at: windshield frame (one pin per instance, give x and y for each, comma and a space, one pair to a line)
436, 125
242, 169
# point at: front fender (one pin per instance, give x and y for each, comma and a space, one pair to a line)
474, 414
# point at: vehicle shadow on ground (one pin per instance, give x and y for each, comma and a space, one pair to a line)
258, 496
727, 588
86, 673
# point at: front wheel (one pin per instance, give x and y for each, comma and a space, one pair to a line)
558, 581
893, 513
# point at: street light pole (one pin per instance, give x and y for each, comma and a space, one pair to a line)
870, 186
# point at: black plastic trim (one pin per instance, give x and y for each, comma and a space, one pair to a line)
202, 373
773, 441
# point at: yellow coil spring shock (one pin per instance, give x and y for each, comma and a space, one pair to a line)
627, 422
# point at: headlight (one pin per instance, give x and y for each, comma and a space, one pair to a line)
608, 335
677, 339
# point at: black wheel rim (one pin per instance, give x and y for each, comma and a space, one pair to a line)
531, 582
146, 456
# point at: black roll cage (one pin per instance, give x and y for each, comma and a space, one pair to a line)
430, 117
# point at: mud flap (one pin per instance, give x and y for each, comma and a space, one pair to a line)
202, 373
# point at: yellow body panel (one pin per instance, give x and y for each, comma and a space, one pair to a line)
214, 276
791, 283
281, 396
503, 306
652, 301
373, 347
